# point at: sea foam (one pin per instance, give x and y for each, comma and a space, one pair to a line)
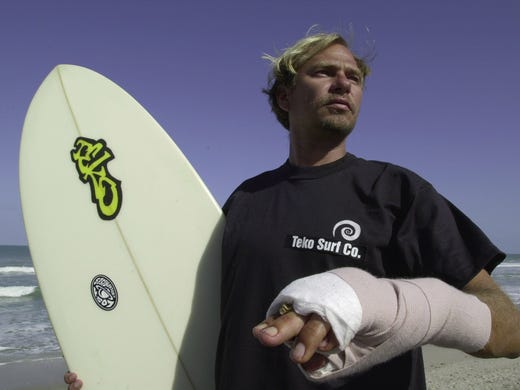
16, 270
16, 291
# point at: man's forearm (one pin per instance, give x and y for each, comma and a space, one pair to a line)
505, 318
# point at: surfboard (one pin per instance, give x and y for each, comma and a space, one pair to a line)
124, 236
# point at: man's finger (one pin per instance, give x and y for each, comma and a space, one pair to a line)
310, 338
72, 380
69, 377
276, 331
329, 343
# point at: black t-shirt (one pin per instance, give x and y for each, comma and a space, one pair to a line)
293, 222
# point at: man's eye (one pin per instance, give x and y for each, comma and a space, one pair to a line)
355, 78
322, 72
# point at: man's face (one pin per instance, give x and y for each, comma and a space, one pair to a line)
327, 93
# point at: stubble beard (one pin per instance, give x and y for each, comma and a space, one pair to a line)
338, 125
336, 122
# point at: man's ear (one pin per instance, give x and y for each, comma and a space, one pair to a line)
282, 98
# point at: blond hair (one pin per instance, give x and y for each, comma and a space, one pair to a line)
285, 67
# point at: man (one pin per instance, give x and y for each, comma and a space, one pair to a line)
373, 224
326, 210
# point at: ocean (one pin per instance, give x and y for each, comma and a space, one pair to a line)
25, 330
26, 333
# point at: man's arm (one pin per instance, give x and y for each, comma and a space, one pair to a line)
505, 318
480, 320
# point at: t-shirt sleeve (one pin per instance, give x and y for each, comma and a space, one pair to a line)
440, 241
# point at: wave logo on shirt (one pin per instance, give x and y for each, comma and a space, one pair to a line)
343, 233
349, 230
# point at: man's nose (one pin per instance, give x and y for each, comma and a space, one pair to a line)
341, 84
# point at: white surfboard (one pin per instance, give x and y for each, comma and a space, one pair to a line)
124, 236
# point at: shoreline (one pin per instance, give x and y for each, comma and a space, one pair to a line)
445, 369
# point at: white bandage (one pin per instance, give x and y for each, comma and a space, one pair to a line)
397, 316
328, 296
448, 317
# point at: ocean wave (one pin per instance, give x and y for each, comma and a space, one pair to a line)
17, 291
509, 265
16, 270
30, 360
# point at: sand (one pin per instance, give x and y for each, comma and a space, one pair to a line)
451, 369
445, 369
34, 375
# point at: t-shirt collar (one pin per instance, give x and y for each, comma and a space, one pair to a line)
295, 173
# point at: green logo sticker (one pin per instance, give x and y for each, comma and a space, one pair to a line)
91, 158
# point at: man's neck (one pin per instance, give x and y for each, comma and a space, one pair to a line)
314, 153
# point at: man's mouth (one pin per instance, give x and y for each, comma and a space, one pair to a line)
339, 104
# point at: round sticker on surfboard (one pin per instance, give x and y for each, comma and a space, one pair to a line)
104, 292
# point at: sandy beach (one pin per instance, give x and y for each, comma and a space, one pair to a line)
445, 369
35, 375
451, 369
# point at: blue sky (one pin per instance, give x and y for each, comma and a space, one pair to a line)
442, 100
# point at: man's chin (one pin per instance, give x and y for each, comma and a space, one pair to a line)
341, 128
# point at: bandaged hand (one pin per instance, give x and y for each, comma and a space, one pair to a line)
375, 319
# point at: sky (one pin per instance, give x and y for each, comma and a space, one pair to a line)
442, 100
